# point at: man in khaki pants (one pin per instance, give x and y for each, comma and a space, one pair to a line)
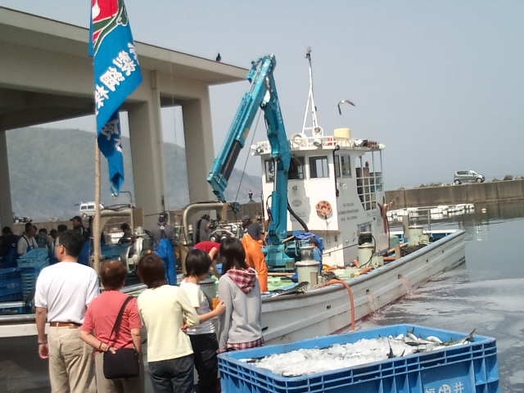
63, 292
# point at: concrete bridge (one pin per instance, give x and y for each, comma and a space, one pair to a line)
46, 75
484, 193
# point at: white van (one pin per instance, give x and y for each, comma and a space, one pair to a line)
87, 209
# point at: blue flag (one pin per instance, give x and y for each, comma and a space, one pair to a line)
117, 75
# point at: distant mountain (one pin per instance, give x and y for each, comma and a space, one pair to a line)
52, 171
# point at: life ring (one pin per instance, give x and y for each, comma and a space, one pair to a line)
324, 209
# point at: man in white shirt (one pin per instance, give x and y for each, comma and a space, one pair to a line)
27, 241
63, 293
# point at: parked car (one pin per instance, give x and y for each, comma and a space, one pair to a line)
17, 219
87, 209
468, 177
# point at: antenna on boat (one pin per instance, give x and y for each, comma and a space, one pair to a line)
343, 102
311, 108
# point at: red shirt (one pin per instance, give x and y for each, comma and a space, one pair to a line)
101, 316
207, 246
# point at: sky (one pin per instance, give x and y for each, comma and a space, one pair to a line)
438, 82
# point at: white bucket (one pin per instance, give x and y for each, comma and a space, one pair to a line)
365, 253
414, 234
308, 271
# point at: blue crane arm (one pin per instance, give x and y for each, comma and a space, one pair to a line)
236, 138
263, 95
281, 155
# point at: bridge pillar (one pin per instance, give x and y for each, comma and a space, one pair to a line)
6, 209
199, 147
147, 151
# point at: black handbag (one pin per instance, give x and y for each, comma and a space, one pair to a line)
125, 362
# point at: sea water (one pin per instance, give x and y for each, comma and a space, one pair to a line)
486, 293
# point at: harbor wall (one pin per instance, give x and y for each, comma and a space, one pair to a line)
480, 194
499, 191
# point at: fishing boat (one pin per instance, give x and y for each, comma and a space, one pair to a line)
316, 184
333, 190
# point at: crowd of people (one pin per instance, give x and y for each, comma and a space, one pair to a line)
185, 329
13, 246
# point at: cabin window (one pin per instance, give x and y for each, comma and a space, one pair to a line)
296, 168
369, 179
342, 165
345, 166
269, 168
364, 228
318, 167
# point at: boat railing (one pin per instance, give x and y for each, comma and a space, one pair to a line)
301, 141
417, 217
304, 141
428, 214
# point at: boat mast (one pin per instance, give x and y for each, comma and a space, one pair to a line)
311, 108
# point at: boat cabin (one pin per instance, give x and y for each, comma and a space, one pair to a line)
335, 187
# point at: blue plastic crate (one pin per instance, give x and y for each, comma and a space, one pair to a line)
10, 286
37, 258
11, 297
9, 273
470, 368
28, 278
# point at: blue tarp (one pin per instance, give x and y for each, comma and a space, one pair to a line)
165, 250
301, 235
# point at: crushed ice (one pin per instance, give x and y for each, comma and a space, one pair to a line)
338, 356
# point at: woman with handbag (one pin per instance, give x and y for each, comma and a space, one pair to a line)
112, 326
166, 311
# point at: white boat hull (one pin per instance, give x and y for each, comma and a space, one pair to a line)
327, 310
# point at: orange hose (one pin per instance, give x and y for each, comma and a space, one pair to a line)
365, 270
351, 298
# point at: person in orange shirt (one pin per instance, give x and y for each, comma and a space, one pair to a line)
253, 242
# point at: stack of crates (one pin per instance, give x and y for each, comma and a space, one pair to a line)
30, 266
468, 368
10, 285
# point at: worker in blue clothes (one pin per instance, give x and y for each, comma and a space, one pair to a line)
317, 252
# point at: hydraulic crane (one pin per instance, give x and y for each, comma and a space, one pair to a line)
263, 94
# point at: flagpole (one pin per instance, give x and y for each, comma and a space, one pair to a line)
96, 222
117, 74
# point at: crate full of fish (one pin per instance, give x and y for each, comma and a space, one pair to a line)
392, 359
